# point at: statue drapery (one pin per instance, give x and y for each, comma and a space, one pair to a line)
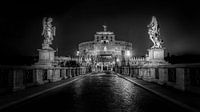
154, 33
48, 32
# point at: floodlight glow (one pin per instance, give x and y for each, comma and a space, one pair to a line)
105, 48
118, 60
77, 53
128, 53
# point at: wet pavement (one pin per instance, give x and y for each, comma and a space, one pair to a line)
98, 92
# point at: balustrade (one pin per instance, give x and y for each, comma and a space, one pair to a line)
17, 78
182, 77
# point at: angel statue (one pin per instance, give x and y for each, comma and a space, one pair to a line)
48, 32
154, 33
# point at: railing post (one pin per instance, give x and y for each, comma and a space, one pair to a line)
56, 76
70, 73
18, 79
180, 78
81, 71
39, 78
161, 73
63, 73
50, 75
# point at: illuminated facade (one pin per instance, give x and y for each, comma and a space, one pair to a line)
104, 52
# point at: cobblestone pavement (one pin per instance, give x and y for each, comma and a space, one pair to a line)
23, 95
186, 100
99, 92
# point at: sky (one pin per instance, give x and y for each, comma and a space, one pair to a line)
77, 21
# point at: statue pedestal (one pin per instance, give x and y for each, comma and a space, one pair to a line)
46, 57
156, 56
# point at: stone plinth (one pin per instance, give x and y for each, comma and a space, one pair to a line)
46, 57
156, 56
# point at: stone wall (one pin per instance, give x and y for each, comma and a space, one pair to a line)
180, 76
17, 78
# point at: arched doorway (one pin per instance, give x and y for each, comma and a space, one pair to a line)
104, 62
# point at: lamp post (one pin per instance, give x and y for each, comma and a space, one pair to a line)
128, 55
117, 64
77, 54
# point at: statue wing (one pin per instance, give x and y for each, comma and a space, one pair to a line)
54, 31
44, 25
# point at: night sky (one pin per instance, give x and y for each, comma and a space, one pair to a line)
77, 21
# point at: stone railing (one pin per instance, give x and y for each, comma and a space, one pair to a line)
16, 78
180, 76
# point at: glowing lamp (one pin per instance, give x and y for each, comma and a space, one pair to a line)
77, 53
118, 60
128, 53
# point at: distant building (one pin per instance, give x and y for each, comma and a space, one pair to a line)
104, 52
66, 61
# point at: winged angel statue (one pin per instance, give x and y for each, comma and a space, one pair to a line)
154, 33
48, 32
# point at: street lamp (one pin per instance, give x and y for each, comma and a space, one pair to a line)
118, 60
77, 53
128, 54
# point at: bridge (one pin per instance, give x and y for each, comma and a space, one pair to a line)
79, 89
104, 77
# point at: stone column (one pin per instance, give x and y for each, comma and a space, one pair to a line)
152, 74
39, 77
162, 75
18, 79
141, 73
84, 70
56, 75
50, 75
70, 72
180, 79
63, 73
46, 57
156, 56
